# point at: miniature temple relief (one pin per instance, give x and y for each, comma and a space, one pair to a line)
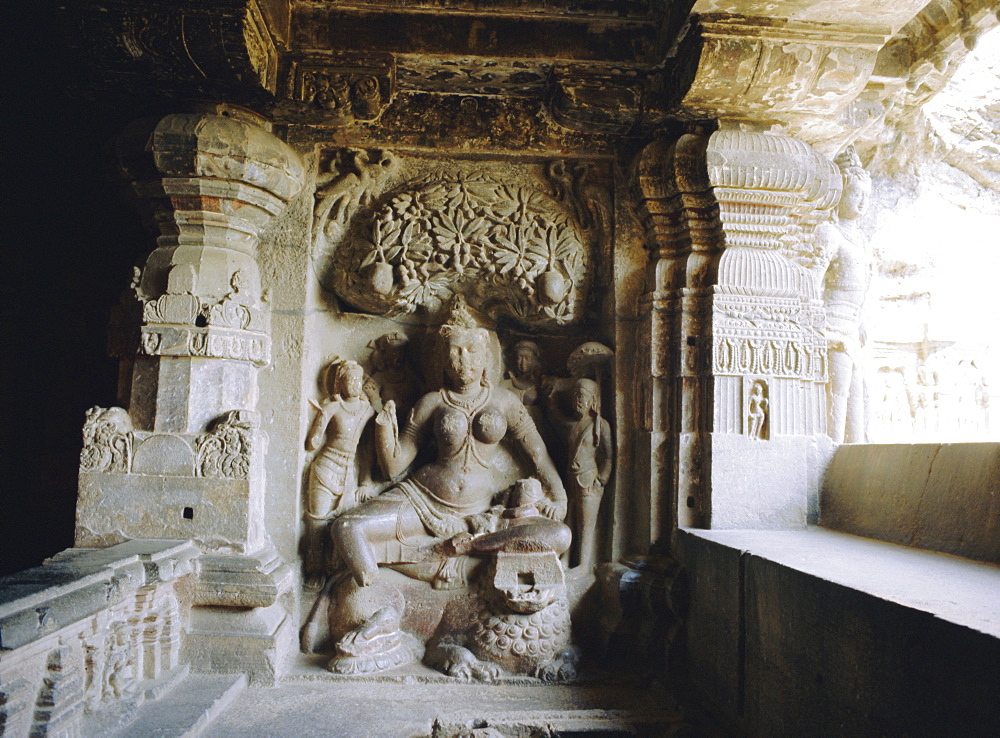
84, 659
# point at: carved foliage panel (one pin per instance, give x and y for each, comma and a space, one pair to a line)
400, 236
112, 446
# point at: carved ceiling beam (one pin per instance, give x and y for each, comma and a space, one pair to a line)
598, 67
827, 73
803, 76
919, 61
189, 48
497, 31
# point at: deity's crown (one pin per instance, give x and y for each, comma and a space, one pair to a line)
850, 163
460, 315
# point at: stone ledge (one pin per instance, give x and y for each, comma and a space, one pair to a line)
818, 632
77, 583
951, 588
939, 496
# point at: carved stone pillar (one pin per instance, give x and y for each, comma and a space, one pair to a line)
186, 459
733, 337
768, 362
685, 240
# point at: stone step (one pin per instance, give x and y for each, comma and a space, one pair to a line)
188, 708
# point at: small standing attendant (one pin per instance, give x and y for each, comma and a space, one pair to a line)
591, 457
334, 476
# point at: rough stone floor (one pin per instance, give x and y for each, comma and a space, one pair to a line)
407, 702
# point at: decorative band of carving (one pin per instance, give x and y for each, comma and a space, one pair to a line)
776, 357
208, 342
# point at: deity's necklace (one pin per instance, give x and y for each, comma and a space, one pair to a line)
452, 399
358, 411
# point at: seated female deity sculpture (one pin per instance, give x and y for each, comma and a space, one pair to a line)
441, 505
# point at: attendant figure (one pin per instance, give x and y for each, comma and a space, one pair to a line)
524, 378
591, 457
845, 288
757, 412
334, 477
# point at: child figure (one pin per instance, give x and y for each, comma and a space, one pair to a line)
591, 457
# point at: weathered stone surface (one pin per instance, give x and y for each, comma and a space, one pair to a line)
764, 486
93, 632
943, 497
818, 630
642, 195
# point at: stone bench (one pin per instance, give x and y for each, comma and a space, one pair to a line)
938, 496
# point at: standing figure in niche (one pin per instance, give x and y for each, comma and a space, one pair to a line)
525, 377
757, 412
591, 457
334, 475
440, 501
845, 289
392, 378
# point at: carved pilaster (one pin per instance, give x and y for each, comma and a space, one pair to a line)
669, 244
733, 336
211, 181
766, 355
186, 459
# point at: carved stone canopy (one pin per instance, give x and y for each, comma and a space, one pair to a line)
508, 249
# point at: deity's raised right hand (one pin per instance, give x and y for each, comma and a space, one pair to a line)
387, 416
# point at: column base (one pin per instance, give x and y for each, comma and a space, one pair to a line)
253, 641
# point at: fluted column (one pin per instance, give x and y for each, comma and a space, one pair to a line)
733, 338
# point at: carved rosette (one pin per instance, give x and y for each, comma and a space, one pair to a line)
508, 249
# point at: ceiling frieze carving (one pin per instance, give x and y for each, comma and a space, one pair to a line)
829, 72
595, 67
